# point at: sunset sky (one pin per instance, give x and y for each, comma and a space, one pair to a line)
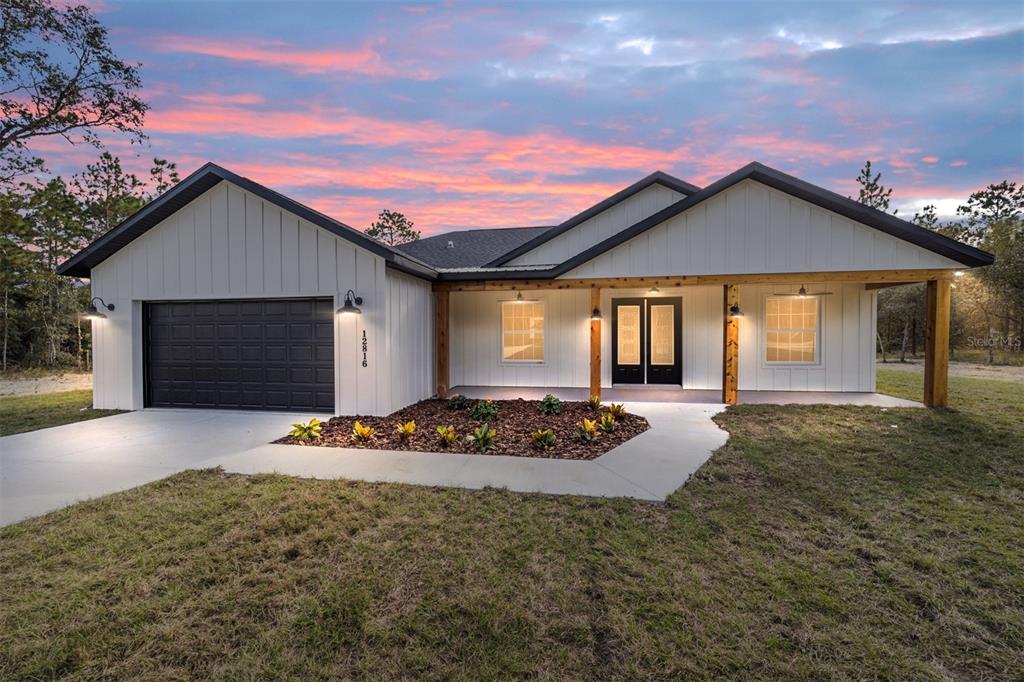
473, 114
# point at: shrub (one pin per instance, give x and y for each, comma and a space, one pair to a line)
485, 411
305, 432
586, 430
543, 440
483, 437
362, 433
406, 430
617, 410
458, 402
606, 423
594, 402
446, 435
550, 405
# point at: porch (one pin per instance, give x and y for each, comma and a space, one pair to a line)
667, 394
723, 351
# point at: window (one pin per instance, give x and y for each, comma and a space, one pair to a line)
522, 331
792, 329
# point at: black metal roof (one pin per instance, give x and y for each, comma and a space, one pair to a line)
469, 248
196, 184
656, 177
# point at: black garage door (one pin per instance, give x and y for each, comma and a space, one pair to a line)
275, 354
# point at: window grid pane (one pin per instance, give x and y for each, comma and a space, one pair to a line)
791, 329
522, 331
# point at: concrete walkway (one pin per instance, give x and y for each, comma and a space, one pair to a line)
48, 469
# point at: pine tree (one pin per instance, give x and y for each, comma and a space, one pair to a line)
393, 228
872, 192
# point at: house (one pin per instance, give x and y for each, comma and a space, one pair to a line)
222, 293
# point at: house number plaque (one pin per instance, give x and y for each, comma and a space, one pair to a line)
365, 346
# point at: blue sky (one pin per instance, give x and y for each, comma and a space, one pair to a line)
474, 114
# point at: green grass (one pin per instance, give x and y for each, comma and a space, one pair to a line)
819, 542
30, 412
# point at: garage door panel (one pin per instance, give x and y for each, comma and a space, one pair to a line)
255, 354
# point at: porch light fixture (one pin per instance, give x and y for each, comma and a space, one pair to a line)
596, 314
519, 297
654, 290
734, 311
959, 273
803, 292
93, 313
349, 306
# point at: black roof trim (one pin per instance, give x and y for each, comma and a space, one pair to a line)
897, 227
196, 184
656, 177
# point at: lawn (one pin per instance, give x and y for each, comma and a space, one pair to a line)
820, 542
30, 412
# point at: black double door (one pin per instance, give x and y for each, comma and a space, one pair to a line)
646, 340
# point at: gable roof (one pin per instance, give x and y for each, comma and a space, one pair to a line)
854, 210
196, 184
469, 248
656, 177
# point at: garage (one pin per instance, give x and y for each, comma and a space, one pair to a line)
251, 354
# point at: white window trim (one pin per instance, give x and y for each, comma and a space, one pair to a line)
819, 351
501, 334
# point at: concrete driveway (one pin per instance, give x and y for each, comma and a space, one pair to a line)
48, 469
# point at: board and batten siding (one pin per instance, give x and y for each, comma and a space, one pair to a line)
410, 339
601, 226
753, 228
847, 332
229, 244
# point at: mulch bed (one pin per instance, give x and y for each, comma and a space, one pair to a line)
516, 421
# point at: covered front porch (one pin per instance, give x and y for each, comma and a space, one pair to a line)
720, 333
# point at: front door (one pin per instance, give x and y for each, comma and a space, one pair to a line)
646, 343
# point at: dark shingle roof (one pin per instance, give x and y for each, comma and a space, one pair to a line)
469, 248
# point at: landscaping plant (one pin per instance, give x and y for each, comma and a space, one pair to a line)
616, 410
306, 432
586, 430
483, 437
458, 402
550, 405
406, 430
594, 402
446, 435
485, 410
362, 433
606, 423
543, 440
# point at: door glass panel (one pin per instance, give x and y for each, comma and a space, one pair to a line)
662, 335
629, 334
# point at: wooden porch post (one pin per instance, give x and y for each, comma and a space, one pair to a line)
595, 344
441, 341
936, 343
730, 345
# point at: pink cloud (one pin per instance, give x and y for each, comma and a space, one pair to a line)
957, 163
364, 61
930, 159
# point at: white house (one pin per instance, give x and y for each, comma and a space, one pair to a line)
225, 294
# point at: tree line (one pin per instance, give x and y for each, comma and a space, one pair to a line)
988, 303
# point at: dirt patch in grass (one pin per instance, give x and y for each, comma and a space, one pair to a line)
515, 422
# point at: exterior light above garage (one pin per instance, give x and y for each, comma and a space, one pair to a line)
351, 304
93, 313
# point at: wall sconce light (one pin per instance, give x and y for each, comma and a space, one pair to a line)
349, 306
734, 311
654, 290
519, 297
93, 313
596, 314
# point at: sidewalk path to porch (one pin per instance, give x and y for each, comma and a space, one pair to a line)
649, 467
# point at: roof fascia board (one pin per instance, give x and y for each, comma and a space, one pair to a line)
603, 205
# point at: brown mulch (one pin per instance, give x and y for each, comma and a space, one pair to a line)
516, 421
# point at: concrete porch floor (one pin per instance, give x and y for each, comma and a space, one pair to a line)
675, 394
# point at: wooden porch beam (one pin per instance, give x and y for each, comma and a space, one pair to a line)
870, 277
887, 285
936, 343
730, 346
441, 300
595, 344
